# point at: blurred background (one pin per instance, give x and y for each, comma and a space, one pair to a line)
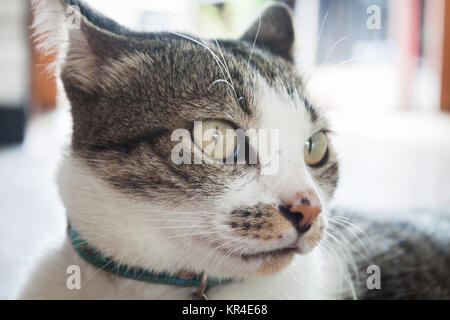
380, 67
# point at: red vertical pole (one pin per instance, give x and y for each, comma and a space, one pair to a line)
445, 80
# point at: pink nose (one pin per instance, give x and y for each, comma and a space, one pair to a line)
302, 209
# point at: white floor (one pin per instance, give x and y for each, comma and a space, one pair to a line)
393, 160
389, 161
31, 213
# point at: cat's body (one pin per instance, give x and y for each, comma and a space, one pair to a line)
411, 248
262, 223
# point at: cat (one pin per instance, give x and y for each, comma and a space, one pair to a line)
410, 248
141, 224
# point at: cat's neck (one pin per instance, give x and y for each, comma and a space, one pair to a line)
303, 279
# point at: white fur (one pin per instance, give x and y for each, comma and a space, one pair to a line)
50, 28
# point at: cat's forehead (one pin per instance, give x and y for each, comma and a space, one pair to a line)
290, 112
230, 80
174, 80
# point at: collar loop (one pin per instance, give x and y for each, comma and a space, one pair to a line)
96, 258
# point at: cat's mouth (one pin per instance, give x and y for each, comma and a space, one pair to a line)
301, 245
269, 254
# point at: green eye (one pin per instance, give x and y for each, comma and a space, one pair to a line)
316, 149
216, 138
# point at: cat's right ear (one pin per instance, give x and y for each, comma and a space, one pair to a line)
80, 38
273, 30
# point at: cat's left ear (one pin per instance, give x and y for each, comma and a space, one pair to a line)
273, 30
93, 51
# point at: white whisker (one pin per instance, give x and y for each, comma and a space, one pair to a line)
219, 62
333, 47
254, 43
320, 31
194, 234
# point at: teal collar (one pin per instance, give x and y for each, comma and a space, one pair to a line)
97, 259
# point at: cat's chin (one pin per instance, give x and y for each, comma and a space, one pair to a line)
272, 262
275, 263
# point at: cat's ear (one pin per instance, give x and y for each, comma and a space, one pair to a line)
84, 41
273, 30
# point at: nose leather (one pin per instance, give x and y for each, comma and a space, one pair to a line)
302, 209
308, 212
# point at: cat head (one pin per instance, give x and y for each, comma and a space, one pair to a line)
137, 100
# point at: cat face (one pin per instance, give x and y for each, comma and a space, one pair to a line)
129, 92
